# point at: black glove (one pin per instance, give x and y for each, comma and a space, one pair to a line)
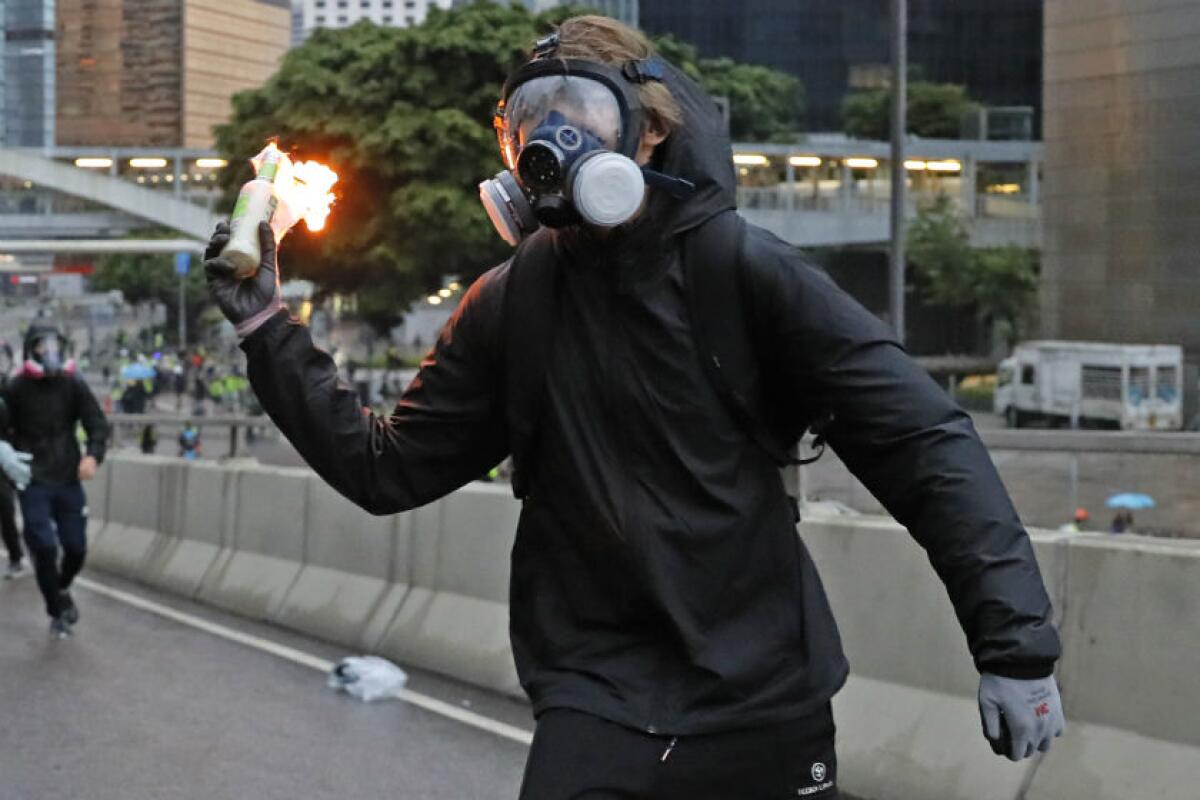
246, 303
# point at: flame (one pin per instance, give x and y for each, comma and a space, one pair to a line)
312, 185
303, 190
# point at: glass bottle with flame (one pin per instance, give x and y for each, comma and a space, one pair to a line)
282, 193
256, 204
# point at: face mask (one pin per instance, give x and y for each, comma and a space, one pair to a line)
47, 353
564, 175
568, 131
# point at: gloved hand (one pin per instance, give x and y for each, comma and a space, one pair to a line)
1020, 716
15, 465
246, 303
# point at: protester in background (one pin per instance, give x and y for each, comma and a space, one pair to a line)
43, 405
133, 398
149, 440
190, 447
1076, 524
1122, 522
8, 508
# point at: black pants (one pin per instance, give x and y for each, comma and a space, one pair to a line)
55, 516
8, 523
577, 756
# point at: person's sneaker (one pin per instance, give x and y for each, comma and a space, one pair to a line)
70, 611
59, 628
15, 570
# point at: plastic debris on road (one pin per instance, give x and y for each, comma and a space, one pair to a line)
369, 678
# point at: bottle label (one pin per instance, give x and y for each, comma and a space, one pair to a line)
269, 168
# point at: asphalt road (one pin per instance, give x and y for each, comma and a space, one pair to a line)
137, 706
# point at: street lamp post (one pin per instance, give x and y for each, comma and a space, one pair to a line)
899, 173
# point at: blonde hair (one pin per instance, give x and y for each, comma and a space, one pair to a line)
596, 38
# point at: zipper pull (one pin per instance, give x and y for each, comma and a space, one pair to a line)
670, 747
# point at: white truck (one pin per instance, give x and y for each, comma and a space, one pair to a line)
1092, 384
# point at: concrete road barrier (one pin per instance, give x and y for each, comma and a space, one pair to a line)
97, 502
429, 588
257, 568
455, 620
133, 529
355, 574
201, 516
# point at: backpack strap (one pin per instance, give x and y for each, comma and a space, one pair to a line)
714, 277
531, 311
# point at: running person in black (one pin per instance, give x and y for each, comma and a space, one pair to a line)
667, 623
42, 405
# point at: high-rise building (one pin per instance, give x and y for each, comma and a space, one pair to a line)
315, 14
1122, 173
160, 73
28, 73
837, 46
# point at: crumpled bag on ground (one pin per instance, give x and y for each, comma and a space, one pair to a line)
368, 678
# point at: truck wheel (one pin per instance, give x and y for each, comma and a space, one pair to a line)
1013, 417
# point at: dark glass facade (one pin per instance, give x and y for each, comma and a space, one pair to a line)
836, 46
28, 66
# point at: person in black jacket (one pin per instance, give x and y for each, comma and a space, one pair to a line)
667, 623
42, 405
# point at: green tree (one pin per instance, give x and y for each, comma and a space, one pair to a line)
404, 116
998, 282
935, 111
151, 277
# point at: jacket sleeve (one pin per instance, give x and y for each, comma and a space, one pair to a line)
918, 453
95, 425
447, 429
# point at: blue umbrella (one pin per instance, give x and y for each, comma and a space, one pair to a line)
1130, 500
137, 372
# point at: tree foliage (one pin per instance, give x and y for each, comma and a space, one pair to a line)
404, 116
999, 282
148, 277
935, 111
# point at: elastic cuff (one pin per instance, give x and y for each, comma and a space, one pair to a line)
1020, 672
249, 326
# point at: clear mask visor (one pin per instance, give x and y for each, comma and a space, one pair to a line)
584, 102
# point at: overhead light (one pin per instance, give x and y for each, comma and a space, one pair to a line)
454, 286
434, 300
94, 163
945, 166
1004, 188
804, 161
147, 163
211, 163
862, 163
916, 166
750, 160
443, 293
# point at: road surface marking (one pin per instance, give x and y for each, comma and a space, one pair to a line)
305, 659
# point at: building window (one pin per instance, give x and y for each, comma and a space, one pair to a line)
387, 19
320, 19
342, 20
410, 21
410, 4
343, 3
320, 3
387, 3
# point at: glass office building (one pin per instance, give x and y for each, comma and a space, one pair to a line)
838, 46
28, 73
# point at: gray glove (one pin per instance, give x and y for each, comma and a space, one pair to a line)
15, 465
1019, 716
246, 303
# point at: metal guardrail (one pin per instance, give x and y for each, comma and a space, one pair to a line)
127, 426
1069, 441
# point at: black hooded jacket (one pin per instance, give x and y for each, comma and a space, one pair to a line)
657, 579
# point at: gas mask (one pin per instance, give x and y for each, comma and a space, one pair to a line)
568, 132
46, 353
